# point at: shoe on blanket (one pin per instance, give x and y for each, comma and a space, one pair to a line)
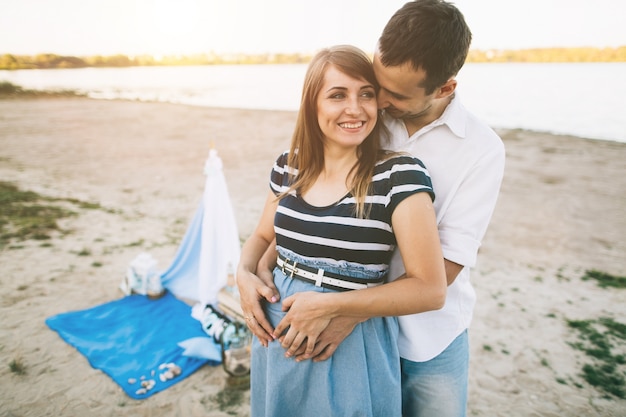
214, 322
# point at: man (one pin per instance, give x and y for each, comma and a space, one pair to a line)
421, 50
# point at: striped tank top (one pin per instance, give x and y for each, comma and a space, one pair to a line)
333, 235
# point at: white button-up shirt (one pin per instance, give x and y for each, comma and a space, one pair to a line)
465, 159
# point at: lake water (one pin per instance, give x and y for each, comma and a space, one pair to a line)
587, 100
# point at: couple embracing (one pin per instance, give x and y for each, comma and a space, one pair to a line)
356, 279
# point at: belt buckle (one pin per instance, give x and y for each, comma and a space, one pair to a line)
290, 268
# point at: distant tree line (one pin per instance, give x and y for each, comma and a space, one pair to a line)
570, 55
46, 61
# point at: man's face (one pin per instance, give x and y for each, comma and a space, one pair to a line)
400, 93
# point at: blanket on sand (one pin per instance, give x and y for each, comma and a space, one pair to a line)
136, 341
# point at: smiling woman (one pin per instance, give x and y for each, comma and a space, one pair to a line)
337, 208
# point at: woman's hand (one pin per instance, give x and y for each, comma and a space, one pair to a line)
252, 290
308, 314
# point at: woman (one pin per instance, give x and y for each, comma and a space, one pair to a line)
338, 206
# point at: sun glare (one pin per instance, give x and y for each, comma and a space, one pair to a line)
174, 17
167, 26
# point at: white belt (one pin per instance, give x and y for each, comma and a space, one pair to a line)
320, 278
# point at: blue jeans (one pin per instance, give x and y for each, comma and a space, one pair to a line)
438, 387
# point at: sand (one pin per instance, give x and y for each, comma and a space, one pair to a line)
561, 212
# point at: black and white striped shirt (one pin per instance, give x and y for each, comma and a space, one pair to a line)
334, 234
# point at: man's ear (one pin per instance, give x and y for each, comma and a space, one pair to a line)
447, 89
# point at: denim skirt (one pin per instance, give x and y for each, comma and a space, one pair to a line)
362, 378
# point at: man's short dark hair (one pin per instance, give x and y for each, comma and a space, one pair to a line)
431, 35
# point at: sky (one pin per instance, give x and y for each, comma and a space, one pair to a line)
183, 27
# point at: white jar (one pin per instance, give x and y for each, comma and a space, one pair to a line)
154, 288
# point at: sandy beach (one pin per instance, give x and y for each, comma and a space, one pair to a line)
561, 212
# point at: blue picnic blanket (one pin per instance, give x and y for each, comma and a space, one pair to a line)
133, 338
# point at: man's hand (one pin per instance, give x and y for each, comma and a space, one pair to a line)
252, 290
305, 319
306, 325
329, 339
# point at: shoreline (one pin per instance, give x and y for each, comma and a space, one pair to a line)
571, 122
560, 213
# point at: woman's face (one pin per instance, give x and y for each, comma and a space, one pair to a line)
346, 108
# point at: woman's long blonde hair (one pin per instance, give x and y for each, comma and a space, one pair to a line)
307, 146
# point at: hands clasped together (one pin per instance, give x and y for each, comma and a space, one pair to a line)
309, 330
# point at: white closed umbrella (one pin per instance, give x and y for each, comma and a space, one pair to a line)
210, 249
220, 247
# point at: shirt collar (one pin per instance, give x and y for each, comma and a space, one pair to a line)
453, 116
